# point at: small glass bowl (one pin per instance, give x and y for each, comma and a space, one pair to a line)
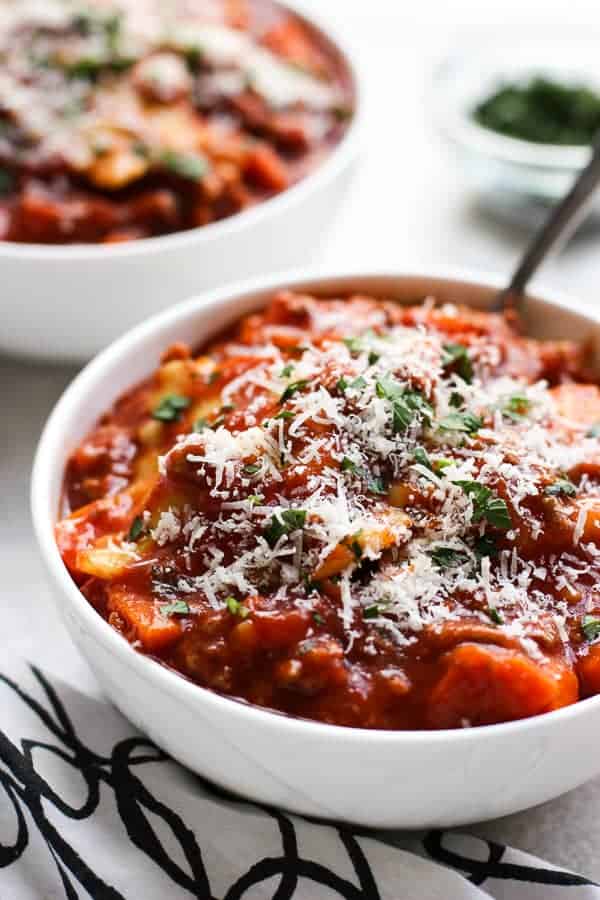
514, 178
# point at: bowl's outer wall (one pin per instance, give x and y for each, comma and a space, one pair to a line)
409, 780
69, 307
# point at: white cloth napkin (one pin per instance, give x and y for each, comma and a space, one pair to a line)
90, 808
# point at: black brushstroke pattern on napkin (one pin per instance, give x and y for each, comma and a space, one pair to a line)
28, 792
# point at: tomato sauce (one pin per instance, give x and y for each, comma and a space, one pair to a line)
354, 512
119, 122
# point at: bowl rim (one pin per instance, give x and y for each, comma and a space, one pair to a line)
340, 155
154, 674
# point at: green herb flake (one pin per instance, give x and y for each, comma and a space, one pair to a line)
236, 608
177, 608
561, 488
354, 344
371, 612
318, 618
342, 384
440, 464
486, 505
137, 527
406, 403
516, 407
373, 358
376, 485
171, 408
590, 625
485, 545
358, 384
214, 376
422, 458
456, 356
285, 522
494, 615
347, 465
287, 370
446, 557
467, 422
285, 414
251, 469
355, 545
187, 165
255, 499
7, 181
293, 388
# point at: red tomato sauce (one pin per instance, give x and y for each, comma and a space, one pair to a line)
131, 121
354, 512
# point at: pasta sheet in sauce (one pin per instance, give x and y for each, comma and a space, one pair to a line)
354, 512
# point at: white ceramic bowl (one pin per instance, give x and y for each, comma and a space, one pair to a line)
514, 178
375, 778
67, 302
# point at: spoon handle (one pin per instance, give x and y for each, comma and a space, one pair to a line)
560, 224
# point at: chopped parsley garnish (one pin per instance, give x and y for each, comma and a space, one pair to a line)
456, 400
373, 358
285, 414
251, 469
376, 485
422, 458
516, 407
348, 465
486, 505
200, 424
466, 422
440, 464
590, 625
355, 545
285, 522
354, 344
342, 384
358, 384
457, 357
406, 403
318, 618
140, 149
293, 388
561, 488
371, 612
494, 615
485, 546
255, 499
236, 608
287, 370
7, 181
177, 608
446, 557
170, 408
137, 527
187, 165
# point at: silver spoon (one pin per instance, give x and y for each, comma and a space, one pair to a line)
559, 226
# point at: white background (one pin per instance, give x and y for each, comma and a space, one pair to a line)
407, 207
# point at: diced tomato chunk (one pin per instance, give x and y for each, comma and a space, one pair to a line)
484, 684
142, 620
588, 669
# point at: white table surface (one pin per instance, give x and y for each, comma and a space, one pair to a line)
406, 208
